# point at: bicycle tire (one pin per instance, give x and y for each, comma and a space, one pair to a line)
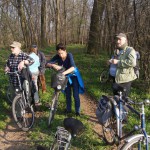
22, 114
109, 131
10, 93
134, 143
104, 76
53, 109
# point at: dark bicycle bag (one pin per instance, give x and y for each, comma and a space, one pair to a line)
104, 110
59, 81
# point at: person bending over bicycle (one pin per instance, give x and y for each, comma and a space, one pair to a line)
16, 61
64, 59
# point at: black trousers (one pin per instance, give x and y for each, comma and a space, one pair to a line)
123, 87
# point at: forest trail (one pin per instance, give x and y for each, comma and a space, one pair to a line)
13, 138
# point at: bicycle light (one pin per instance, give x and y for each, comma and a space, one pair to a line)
58, 87
136, 127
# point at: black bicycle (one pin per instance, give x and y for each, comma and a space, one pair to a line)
58, 83
22, 106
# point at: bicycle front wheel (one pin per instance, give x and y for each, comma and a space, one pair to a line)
137, 142
53, 108
23, 113
109, 131
104, 76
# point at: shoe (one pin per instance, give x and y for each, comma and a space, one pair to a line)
77, 114
67, 111
44, 91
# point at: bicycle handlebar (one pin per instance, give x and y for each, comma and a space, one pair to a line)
15, 72
146, 101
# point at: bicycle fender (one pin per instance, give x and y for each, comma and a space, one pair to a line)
129, 139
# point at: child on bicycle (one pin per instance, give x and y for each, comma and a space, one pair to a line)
64, 59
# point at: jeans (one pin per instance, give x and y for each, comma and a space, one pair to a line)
75, 87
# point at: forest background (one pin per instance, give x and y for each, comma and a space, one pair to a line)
88, 28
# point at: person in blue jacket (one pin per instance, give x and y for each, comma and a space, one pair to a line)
75, 82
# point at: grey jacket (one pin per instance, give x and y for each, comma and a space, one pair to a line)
42, 61
125, 71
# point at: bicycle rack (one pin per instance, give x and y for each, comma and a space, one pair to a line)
63, 137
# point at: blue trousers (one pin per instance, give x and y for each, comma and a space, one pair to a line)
75, 87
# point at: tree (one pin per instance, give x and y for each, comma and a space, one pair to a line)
93, 42
43, 24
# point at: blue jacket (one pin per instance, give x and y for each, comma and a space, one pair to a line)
78, 75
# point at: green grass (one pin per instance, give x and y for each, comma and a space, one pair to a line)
90, 68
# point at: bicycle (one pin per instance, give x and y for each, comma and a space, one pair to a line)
58, 83
112, 130
22, 109
62, 139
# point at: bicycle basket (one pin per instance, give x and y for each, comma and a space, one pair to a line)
104, 110
59, 81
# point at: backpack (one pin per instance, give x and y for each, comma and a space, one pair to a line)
137, 67
104, 110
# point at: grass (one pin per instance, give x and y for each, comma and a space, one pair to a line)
90, 68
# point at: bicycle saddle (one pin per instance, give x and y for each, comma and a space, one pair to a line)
74, 126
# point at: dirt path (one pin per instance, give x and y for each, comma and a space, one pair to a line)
14, 139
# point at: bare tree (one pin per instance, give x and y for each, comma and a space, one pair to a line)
43, 24
93, 42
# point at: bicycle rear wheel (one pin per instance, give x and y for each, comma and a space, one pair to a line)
53, 108
23, 114
10, 93
109, 131
137, 143
104, 76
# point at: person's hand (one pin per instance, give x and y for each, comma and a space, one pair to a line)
114, 61
49, 65
21, 65
110, 61
7, 69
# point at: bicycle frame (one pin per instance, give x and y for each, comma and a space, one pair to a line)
118, 114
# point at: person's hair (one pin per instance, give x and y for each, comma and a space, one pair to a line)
32, 50
60, 46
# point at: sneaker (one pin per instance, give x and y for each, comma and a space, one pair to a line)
77, 114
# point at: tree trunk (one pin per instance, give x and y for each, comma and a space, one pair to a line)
24, 25
93, 42
43, 24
